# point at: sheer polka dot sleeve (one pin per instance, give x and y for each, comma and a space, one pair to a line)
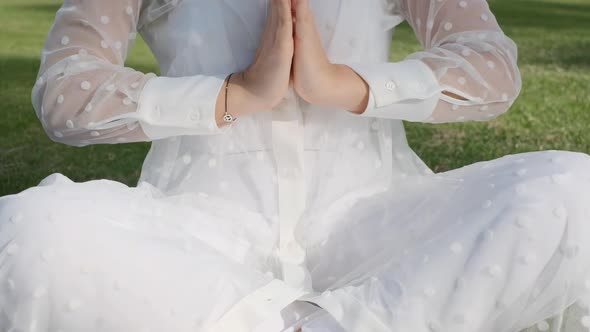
466, 72
85, 95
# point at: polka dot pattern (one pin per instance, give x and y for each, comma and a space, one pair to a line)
474, 50
85, 85
464, 232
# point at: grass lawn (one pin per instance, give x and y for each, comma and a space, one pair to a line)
552, 112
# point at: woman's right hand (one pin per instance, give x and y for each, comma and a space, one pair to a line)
265, 82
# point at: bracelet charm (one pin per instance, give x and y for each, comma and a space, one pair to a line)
228, 117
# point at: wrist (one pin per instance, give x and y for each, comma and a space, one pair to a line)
354, 91
344, 88
318, 86
241, 101
255, 92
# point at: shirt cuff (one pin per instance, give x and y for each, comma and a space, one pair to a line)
174, 106
405, 90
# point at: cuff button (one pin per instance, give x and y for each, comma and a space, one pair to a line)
195, 115
390, 85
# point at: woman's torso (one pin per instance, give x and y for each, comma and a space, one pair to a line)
298, 155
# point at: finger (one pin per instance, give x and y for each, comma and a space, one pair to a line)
304, 18
302, 8
267, 31
270, 32
285, 18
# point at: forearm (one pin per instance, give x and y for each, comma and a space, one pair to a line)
343, 88
347, 90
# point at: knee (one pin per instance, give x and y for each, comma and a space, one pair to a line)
569, 177
24, 239
547, 173
27, 224
40, 226
561, 189
570, 163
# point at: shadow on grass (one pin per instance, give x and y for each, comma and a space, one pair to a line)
557, 28
565, 55
29, 7
541, 14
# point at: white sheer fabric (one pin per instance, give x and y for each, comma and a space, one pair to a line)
84, 94
233, 228
468, 53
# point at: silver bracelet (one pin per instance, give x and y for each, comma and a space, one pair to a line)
226, 116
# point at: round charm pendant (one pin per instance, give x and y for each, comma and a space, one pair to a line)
228, 117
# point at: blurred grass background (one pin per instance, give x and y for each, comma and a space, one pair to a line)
552, 112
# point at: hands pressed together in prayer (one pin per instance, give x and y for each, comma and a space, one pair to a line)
291, 50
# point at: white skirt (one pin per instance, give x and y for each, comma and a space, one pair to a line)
495, 246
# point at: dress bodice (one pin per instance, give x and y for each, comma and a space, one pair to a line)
333, 152
294, 161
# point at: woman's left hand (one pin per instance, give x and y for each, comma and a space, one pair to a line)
315, 79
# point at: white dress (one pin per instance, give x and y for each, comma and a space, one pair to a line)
243, 227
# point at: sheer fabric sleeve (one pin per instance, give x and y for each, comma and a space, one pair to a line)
85, 95
467, 70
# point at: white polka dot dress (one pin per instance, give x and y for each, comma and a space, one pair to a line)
307, 217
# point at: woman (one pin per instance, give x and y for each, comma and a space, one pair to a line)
284, 196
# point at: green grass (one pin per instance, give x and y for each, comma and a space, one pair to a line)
552, 112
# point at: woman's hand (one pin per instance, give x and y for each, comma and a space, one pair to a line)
317, 80
265, 82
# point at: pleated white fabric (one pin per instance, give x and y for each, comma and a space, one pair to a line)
303, 217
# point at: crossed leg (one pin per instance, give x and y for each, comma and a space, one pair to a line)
495, 246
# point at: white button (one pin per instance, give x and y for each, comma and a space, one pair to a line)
195, 115
543, 326
390, 85
292, 253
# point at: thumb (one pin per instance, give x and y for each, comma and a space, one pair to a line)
304, 20
301, 7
